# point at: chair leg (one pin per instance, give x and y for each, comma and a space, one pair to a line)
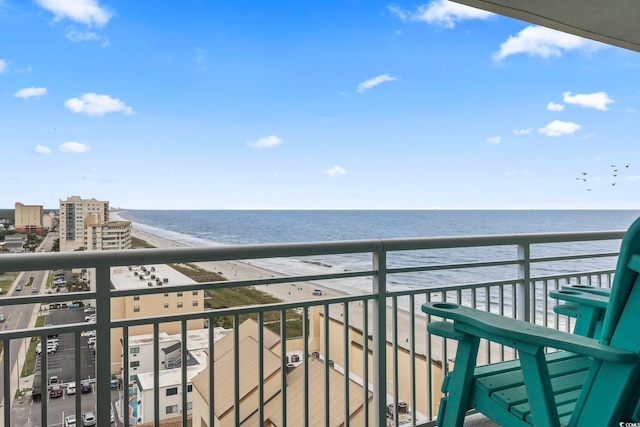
456, 404
538, 385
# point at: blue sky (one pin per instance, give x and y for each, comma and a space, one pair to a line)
298, 105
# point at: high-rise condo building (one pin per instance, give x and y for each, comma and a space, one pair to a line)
73, 212
28, 218
103, 236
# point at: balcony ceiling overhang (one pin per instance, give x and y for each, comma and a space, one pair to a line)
614, 22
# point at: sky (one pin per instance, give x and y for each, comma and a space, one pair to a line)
310, 105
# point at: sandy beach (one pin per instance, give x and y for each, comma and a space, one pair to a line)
237, 270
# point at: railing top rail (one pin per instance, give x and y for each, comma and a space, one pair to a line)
46, 261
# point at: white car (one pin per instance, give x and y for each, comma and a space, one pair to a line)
113, 416
88, 419
70, 421
71, 389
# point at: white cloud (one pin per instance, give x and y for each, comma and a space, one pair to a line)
28, 69
74, 147
266, 142
598, 100
442, 13
544, 42
93, 104
375, 82
494, 140
30, 92
522, 131
335, 171
41, 149
552, 106
3, 65
631, 110
80, 36
87, 12
559, 128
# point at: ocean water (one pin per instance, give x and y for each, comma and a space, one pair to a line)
230, 227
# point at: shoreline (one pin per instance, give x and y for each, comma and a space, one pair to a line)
238, 270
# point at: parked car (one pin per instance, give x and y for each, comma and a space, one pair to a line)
1, 317
113, 416
53, 380
70, 421
71, 388
56, 391
88, 419
85, 387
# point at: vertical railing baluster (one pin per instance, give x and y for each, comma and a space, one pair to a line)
327, 402
380, 340
78, 374
394, 309
212, 372
156, 374
261, 368
103, 342
305, 349
283, 364
412, 355
428, 352
524, 284
44, 380
6, 370
236, 369
365, 359
501, 312
125, 376
345, 363
185, 353
545, 302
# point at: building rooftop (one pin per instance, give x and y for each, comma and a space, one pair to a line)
224, 375
129, 277
248, 328
168, 377
295, 398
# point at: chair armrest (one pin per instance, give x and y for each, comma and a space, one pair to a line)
579, 297
589, 289
524, 336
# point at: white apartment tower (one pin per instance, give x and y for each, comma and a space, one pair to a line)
73, 212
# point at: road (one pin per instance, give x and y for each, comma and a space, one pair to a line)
18, 317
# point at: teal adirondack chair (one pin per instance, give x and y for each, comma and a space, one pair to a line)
588, 382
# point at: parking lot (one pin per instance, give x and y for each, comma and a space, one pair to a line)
61, 364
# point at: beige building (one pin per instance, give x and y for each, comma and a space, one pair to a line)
151, 306
28, 218
101, 236
73, 212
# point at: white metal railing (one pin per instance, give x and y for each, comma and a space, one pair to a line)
400, 347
